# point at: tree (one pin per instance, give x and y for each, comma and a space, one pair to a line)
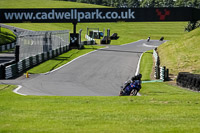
149, 3
99, 2
196, 3
144, 3
181, 3
133, 3
167, 3
192, 25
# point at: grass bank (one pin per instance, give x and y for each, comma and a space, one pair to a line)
62, 59
182, 55
161, 108
6, 36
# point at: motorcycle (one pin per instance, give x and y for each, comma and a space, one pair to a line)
131, 87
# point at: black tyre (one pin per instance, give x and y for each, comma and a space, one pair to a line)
134, 92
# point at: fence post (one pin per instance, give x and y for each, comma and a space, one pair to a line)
157, 72
17, 53
2, 71
166, 74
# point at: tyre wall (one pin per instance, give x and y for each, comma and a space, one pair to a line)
188, 80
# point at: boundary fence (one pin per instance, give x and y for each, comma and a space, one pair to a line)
34, 48
34, 42
7, 46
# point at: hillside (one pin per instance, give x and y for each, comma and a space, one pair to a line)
182, 55
6, 36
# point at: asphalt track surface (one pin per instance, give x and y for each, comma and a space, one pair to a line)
99, 73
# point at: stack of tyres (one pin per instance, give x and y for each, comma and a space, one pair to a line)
188, 80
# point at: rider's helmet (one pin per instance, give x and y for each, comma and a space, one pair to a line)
133, 78
139, 76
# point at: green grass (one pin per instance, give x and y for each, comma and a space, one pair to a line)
182, 55
62, 59
6, 36
44, 4
128, 32
161, 108
8, 51
146, 65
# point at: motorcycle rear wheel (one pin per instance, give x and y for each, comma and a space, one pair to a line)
134, 92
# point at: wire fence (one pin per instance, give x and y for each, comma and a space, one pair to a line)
35, 42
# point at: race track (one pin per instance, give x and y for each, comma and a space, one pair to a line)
100, 73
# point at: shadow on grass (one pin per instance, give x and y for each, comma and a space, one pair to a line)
149, 52
61, 60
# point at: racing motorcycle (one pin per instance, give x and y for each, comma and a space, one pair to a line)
131, 87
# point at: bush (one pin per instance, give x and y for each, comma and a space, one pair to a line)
192, 25
6, 36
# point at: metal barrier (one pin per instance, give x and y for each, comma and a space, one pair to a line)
7, 46
34, 42
14, 69
160, 72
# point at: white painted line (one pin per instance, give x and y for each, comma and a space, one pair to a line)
138, 70
138, 65
149, 45
17, 89
82, 56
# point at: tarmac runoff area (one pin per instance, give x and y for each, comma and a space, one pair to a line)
99, 73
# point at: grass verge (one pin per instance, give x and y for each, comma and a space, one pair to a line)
62, 59
161, 108
146, 65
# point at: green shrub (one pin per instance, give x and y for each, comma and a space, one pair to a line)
6, 36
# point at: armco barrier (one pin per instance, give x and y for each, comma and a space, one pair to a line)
14, 69
160, 72
10, 71
7, 46
188, 80
157, 64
